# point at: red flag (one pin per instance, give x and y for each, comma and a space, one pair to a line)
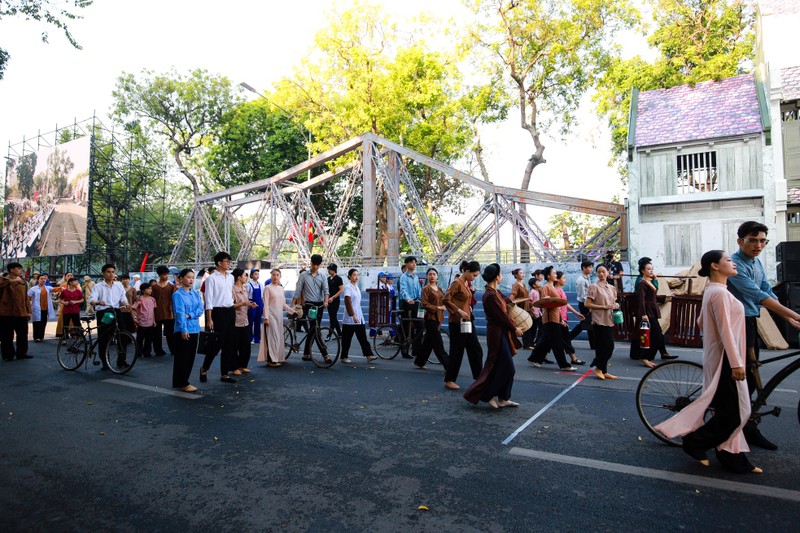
144, 262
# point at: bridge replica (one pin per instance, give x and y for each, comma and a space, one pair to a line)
379, 169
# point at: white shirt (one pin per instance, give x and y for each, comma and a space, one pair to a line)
113, 296
355, 300
581, 286
252, 286
219, 290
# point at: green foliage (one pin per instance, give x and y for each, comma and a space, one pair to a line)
183, 109
569, 230
697, 40
26, 166
254, 141
59, 165
41, 10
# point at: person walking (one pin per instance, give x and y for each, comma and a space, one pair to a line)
433, 303
750, 286
353, 319
521, 298
188, 308
646, 304
108, 297
561, 280
165, 318
601, 300
581, 287
497, 377
15, 311
722, 321
241, 331
552, 326
221, 318
41, 307
145, 318
255, 292
335, 289
312, 290
458, 301
273, 350
410, 297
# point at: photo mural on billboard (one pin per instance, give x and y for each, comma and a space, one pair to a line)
47, 202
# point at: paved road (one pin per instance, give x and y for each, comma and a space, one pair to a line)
65, 232
361, 448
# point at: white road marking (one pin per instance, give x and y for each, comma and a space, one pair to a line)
545, 408
178, 393
698, 481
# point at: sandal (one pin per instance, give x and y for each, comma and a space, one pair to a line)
578, 362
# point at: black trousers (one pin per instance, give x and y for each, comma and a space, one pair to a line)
11, 326
104, 331
584, 325
242, 335
458, 343
726, 414
333, 315
183, 362
603, 346
312, 327
224, 319
360, 331
552, 339
431, 342
656, 342
529, 337
751, 341
39, 325
409, 327
71, 318
146, 338
168, 326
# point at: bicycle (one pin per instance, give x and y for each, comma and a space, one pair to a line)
671, 386
78, 343
387, 344
324, 337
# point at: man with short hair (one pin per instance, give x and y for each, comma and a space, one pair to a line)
165, 319
15, 311
312, 289
221, 317
108, 297
410, 300
581, 287
751, 287
137, 282
335, 290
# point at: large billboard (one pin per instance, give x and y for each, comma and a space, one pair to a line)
47, 202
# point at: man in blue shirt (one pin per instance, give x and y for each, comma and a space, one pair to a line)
751, 287
410, 297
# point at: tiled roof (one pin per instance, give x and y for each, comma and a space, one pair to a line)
793, 195
779, 7
709, 110
790, 83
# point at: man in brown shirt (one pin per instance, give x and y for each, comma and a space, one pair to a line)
165, 319
15, 311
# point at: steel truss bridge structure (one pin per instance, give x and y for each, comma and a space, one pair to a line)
378, 168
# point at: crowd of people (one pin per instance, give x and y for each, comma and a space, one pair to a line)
21, 225
240, 311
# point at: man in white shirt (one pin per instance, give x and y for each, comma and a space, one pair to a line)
222, 317
107, 297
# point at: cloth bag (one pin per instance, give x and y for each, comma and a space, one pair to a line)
208, 343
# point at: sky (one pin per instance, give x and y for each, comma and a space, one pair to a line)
257, 42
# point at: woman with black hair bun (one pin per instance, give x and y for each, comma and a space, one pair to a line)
497, 377
458, 301
722, 322
646, 306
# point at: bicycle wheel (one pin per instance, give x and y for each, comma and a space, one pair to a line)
325, 349
121, 352
385, 343
433, 359
71, 350
289, 340
664, 391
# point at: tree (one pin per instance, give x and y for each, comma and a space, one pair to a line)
183, 109
26, 166
697, 40
549, 52
255, 140
571, 230
59, 165
369, 75
40, 10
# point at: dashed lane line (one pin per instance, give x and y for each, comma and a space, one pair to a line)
687, 479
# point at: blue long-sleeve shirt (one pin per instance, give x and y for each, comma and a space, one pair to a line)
188, 308
409, 287
749, 285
